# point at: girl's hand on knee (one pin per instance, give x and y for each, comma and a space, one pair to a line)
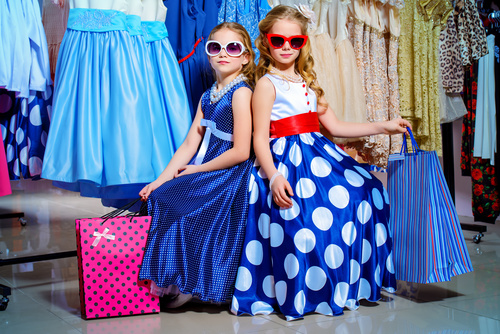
282, 192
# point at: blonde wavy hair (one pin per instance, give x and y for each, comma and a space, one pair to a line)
248, 69
304, 63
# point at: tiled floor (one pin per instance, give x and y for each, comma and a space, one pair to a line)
45, 294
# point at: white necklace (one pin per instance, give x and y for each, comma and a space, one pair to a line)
288, 77
215, 95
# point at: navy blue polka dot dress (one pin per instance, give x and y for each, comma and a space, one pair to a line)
198, 220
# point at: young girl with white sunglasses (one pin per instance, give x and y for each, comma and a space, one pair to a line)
200, 201
317, 237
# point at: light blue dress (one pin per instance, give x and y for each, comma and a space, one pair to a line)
111, 130
24, 59
332, 248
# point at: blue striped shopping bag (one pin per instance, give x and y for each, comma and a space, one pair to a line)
428, 244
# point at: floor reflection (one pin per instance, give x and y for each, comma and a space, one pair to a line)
45, 295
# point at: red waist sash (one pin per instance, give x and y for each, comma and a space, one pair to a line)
294, 125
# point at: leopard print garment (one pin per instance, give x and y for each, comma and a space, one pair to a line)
471, 33
452, 71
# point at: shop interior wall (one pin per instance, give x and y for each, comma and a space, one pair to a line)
463, 185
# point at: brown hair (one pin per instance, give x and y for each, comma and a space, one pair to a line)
304, 62
248, 69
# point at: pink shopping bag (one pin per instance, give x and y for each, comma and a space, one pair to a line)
110, 253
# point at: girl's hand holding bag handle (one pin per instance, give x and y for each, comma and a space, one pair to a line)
428, 244
110, 251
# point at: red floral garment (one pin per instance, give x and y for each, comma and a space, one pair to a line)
485, 196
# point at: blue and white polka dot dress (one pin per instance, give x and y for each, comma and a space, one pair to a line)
327, 252
198, 220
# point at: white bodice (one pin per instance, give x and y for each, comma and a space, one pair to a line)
120, 5
153, 10
290, 99
135, 7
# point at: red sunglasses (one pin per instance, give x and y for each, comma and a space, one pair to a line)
278, 41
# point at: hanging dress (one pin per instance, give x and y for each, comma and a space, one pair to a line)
248, 13
351, 87
102, 140
54, 18
485, 135
25, 124
24, 60
375, 149
418, 69
332, 248
198, 220
167, 95
326, 64
185, 22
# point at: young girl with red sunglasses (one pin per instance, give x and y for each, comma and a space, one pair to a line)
200, 201
317, 237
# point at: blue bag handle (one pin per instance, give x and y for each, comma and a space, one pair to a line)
414, 145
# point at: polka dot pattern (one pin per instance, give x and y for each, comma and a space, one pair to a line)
305, 188
363, 172
334, 256
333, 152
320, 167
253, 251
292, 212
264, 225
353, 178
323, 218
281, 292
377, 199
296, 155
307, 138
291, 266
279, 146
315, 278
254, 190
24, 123
198, 223
244, 281
268, 286
339, 196
109, 264
332, 244
364, 212
305, 240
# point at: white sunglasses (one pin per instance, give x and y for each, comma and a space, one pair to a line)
233, 49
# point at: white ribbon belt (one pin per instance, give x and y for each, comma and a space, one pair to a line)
211, 128
100, 235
